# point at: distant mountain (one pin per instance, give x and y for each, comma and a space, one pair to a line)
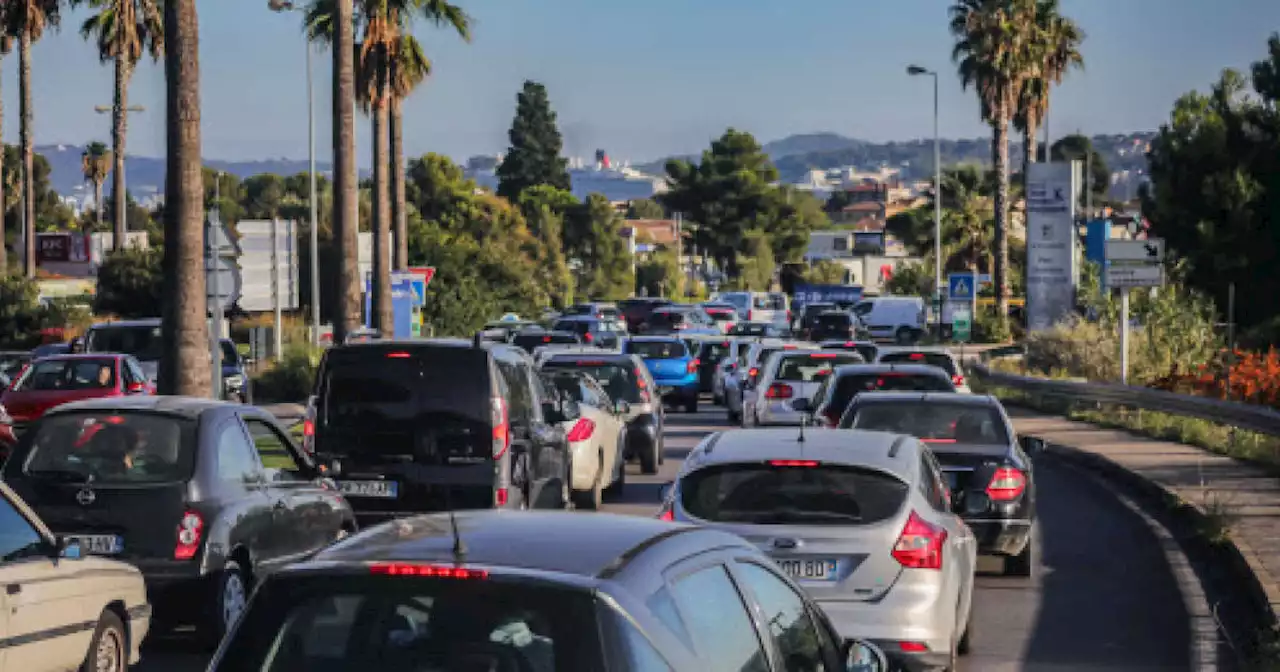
810, 142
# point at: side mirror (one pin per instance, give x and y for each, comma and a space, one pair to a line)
136, 388
69, 549
621, 407
802, 404
863, 656
1031, 445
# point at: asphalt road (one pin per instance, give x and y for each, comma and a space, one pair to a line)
1103, 596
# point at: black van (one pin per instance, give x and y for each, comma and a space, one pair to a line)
416, 426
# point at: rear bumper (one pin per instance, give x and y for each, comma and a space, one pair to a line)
915, 614
683, 387
178, 590
778, 413
1000, 537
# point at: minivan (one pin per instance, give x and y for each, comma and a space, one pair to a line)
900, 319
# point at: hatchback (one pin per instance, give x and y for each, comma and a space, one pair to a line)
740, 390
673, 366
596, 429
836, 391
789, 375
937, 356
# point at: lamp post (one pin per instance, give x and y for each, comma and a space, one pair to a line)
287, 6
915, 70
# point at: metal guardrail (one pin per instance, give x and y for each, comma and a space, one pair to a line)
1260, 419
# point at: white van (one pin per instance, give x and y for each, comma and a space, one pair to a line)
900, 319
772, 307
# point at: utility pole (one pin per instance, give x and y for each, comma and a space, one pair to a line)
915, 70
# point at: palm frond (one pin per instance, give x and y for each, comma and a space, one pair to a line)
444, 14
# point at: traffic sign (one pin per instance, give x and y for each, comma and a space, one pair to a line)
1150, 251
426, 272
1122, 276
960, 286
229, 282
961, 324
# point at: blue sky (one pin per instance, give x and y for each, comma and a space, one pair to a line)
644, 79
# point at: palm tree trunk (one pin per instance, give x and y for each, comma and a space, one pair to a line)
399, 216
28, 157
1029, 147
1001, 275
184, 363
383, 317
4, 203
97, 200
119, 126
346, 201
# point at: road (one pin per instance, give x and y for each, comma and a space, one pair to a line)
1103, 597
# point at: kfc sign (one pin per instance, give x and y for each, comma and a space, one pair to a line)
53, 247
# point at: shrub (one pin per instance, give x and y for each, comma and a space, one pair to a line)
289, 378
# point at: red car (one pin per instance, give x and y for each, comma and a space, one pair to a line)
56, 380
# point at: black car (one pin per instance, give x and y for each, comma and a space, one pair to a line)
838, 389
205, 497
635, 311
711, 351
435, 424
534, 593
598, 309
867, 349
235, 378
989, 471
600, 332
758, 330
534, 337
832, 324
625, 377
810, 312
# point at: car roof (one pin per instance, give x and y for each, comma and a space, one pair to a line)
884, 367
928, 349
187, 407
586, 545
656, 338
149, 322
610, 356
958, 398
885, 451
84, 355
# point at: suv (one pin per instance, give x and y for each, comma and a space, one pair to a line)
592, 330
682, 319
436, 424
673, 366
835, 393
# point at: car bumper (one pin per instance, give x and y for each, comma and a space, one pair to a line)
679, 388
778, 413
178, 590
139, 625
1001, 537
919, 614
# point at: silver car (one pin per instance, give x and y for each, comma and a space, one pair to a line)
738, 393
862, 520
930, 355
790, 375
726, 367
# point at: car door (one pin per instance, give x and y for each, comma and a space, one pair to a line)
550, 445
702, 604
796, 635
253, 516
315, 520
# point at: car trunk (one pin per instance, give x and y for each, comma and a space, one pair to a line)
124, 521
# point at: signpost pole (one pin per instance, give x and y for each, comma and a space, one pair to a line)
1124, 335
275, 286
973, 301
215, 311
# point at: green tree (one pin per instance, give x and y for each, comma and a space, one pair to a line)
825, 272
911, 279
1075, 146
645, 208
545, 209
130, 283
263, 196
659, 274
1057, 49
21, 315
605, 270
756, 263
534, 156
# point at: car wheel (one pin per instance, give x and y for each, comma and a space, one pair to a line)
904, 336
591, 499
109, 648
734, 417
619, 483
649, 459
717, 399
691, 406
1021, 564
966, 638
230, 600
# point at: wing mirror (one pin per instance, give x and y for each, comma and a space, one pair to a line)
1031, 445
863, 656
69, 549
802, 405
621, 407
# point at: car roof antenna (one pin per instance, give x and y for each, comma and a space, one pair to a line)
804, 420
459, 548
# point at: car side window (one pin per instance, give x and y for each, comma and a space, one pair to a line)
793, 630
517, 392
272, 448
718, 622
237, 460
18, 538
631, 644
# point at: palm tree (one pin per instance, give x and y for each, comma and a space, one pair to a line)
966, 195
994, 45
1057, 48
25, 21
184, 364
95, 163
122, 29
373, 94
6, 45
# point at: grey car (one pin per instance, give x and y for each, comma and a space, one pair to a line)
537, 592
862, 520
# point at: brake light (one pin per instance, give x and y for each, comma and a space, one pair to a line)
779, 391
916, 356
432, 571
793, 463
920, 544
788, 347
913, 647
500, 497
546, 339
957, 380
667, 515
938, 440
588, 336
849, 344
753, 372
501, 427
581, 431
1006, 484
308, 427
397, 355
750, 315
190, 531
823, 355
644, 387
693, 365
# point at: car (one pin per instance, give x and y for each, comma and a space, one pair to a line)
59, 379
592, 330
739, 390
501, 331
937, 356
723, 314
543, 352
759, 330
859, 519
235, 375
625, 377
836, 391
52, 349
486, 590
680, 319
603, 310
711, 352
140, 338
792, 374
770, 307
829, 324
635, 311
596, 428
808, 312
898, 319
205, 497
65, 611
989, 472
673, 366
734, 356
433, 424
529, 338
868, 349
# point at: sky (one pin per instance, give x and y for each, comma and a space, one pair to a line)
646, 79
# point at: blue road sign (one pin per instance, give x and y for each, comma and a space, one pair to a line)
960, 286
419, 291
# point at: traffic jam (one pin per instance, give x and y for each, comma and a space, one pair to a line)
439, 506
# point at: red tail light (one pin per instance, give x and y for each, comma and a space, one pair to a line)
500, 497
753, 372
779, 391
788, 347
938, 440
308, 427
693, 365
916, 356
581, 431
588, 337
667, 515
913, 647
957, 380
501, 427
793, 463
750, 315
190, 532
398, 355
644, 387
823, 355
920, 544
546, 339
432, 571
1006, 484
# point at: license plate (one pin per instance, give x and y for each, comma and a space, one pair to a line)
98, 544
383, 489
810, 570
665, 390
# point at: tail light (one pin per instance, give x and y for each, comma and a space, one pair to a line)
694, 364
793, 463
644, 387
588, 337
190, 531
913, 647
581, 431
1006, 484
309, 435
751, 315
957, 380
667, 515
920, 544
753, 372
779, 391
501, 427
432, 571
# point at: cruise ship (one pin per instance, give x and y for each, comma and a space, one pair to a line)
617, 182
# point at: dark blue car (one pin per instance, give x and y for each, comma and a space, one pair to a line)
673, 367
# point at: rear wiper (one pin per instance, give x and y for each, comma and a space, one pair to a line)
64, 475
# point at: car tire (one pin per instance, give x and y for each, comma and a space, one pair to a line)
1022, 564
966, 638
591, 500
619, 484
233, 588
691, 405
717, 399
649, 459
109, 648
904, 336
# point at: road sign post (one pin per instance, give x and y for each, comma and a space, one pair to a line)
1132, 263
961, 325
222, 288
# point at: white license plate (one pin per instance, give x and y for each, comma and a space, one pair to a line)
383, 489
98, 544
816, 569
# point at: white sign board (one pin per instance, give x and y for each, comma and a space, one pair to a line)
1149, 251
261, 257
1051, 244
1135, 275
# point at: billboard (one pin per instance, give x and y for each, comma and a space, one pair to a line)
806, 293
1051, 244
268, 249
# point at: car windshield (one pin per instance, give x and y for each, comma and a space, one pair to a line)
142, 342
112, 447
68, 374
809, 494
931, 421
618, 381
657, 349
811, 368
939, 359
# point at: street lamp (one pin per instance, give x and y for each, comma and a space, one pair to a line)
287, 6
915, 70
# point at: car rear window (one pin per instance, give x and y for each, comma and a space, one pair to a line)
576, 326
416, 624
663, 318
810, 494
939, 359
142, 342
120, 447
618, 381
529, 341
931, 421
848, 386
811, 368
68, 374
834, 320
657, 349
714, 351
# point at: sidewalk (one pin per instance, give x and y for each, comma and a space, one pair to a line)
1242, 495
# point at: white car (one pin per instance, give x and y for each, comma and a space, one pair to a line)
740, 399
931, 355
597, 436
64, 610
790, 375
732, 359
898, 319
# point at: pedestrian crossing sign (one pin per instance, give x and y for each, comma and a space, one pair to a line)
960, 286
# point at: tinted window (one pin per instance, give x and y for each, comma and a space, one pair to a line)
230, 356
941, 360
113, 448
812, 495
237, 459
933, 422
834, 320
618, 381
520, 400
141, 342
657, 349
576, 326
660, 319
718, 622
789, 622
809, 368
18, 539
388, 389
714, 351
68, 374
849, 385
